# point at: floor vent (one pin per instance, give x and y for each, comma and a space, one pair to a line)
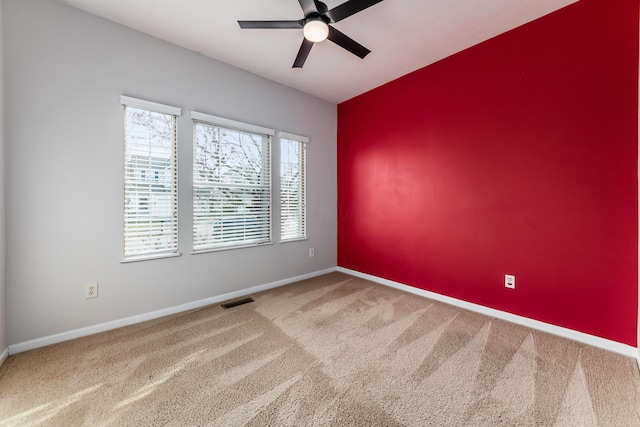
237, 303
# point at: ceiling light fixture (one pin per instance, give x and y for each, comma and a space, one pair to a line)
315, 30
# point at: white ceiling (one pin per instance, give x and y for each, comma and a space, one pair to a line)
403, 35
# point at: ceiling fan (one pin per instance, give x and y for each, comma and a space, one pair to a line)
316, 28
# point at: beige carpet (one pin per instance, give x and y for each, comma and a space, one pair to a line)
329, 351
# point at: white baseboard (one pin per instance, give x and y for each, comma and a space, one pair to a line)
4, 355
94, 329
592, 340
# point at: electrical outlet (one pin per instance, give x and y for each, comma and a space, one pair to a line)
312, 252
509, 281
91, 291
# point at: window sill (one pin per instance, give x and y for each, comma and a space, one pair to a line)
148, 257
296, 239
229, 248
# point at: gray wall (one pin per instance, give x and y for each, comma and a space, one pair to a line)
3, 281
65, 71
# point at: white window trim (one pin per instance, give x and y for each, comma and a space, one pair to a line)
149, 257
231, 247
296, 239
249, 128
232, 124
293, 137
148, 105
128, 101
304, 140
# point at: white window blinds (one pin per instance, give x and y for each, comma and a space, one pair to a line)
292, 186
231, 183
150, 179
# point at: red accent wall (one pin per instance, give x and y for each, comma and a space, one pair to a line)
516, 156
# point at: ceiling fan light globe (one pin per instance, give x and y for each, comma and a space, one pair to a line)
316, 30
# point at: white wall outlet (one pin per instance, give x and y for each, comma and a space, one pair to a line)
312, 252
91, 291
509, 281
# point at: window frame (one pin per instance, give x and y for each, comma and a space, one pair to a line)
303, 141
173, 249
234, 126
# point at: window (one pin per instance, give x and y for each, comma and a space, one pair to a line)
150, 205
292, 187
231, 183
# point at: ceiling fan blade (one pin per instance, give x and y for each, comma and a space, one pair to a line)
347, 43
270, 24
349, 8
303, 53
308, 6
